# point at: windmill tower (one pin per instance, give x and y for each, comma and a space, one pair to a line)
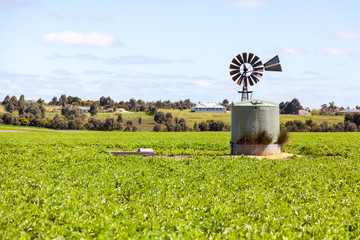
252, 117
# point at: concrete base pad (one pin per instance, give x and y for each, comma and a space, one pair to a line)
239, 149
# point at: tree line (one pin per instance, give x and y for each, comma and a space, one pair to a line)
131, 105
289, 107
294, 106
166, 123
71, 117
108, 103
351, 124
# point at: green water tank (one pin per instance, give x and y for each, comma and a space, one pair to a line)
253, 116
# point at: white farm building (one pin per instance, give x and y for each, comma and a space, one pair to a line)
209, 107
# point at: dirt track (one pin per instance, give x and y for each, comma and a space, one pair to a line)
283, 156
11, 131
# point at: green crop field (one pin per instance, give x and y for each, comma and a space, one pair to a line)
61, 185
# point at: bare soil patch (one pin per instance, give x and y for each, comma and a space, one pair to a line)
281, 156
284, 156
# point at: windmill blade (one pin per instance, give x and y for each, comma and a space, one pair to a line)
251, 55
234, 72
235, 77
240, 58
244, 56
255, 59
273, 61
233, 66
257, 74
236, 62
240, 80
259, 63
250, 81
258, 69
254, 78
276, 68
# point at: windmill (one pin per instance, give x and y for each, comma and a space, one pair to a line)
246, 68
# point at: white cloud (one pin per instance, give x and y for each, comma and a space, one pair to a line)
11, 3
136, 60
35, 86
95, 39
205, 84
79, 56
349, 35
331, 51
291, 51
248, 3
147, 75
102, 17
97, 72
132, 59
61, 16
4, 4
60, 72
311, 73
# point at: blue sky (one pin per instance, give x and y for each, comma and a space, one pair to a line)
173, 50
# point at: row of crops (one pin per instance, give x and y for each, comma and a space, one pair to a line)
63, 185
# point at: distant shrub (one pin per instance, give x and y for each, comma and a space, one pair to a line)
109, 124
72, 112
24, 121
157, 128
129, 123
119, 118
196, 128
216, 125
94, 109
339, 127
128, 128
182, 125
203, 126
59, 122
94, 124
152, 110
351, 127
76, 123
159, 117
353, 117
43, 123
177, 128
9, 119
169, 126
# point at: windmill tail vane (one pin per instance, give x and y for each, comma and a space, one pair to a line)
246, 69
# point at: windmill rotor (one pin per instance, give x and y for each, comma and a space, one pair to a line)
246, 69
